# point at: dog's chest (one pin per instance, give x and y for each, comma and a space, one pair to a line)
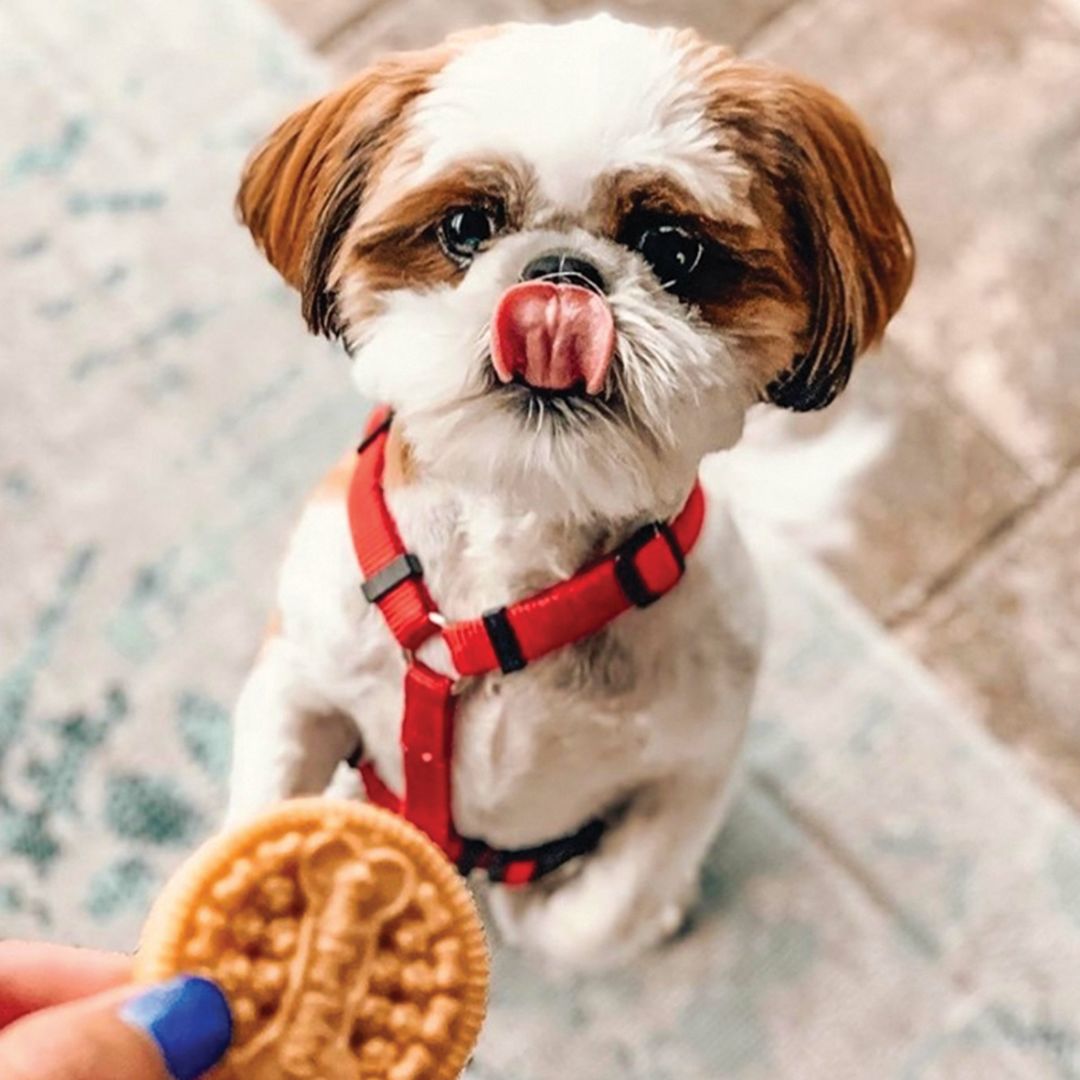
538, 751
546, 737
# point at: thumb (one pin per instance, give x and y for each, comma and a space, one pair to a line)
175, 1031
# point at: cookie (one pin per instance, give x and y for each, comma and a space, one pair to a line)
348, 946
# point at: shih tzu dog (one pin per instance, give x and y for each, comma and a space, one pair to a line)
697, 233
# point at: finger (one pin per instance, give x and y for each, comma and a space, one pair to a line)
35, 975
175, 1031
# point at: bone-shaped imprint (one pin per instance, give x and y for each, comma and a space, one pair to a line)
352, 893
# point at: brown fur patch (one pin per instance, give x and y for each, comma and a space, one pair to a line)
744, 282
335, 483
823, 190
302, 188
401, 248
400, 467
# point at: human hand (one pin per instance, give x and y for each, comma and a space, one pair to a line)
72, 1014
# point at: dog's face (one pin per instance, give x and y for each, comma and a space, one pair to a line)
572, 257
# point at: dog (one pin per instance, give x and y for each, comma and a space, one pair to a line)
729, 237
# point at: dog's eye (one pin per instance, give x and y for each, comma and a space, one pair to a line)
466, 230
673, 252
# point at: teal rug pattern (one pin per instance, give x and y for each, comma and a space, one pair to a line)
891, 898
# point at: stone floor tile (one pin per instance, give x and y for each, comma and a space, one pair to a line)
976, 107
1006, 638
941, 485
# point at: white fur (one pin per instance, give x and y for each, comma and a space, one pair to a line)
800, 486
649, 716
577, 102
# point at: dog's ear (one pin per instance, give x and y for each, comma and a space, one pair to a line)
848, 233
846, 239
302, 188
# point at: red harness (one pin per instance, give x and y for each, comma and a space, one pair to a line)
635, 575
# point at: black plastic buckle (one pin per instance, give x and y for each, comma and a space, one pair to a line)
504, 641
626, 572
391, 576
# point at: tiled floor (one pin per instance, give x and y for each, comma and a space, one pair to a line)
969, 530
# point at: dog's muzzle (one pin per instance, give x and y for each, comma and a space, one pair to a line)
555, 330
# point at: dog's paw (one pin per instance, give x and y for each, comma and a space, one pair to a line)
587, 928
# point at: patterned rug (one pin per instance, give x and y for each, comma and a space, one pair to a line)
891, 898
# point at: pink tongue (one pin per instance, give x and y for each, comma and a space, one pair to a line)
553, 336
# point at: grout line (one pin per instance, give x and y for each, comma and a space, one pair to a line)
898, 618
997, 534
857, 872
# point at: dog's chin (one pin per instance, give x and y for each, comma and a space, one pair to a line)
563, 454
559, 409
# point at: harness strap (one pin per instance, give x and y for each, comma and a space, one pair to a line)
427, 741
637, 574
407, 607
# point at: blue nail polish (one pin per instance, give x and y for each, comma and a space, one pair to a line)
189, 1019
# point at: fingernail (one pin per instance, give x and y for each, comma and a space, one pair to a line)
189, 1020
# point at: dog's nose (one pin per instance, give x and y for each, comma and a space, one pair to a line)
564, 268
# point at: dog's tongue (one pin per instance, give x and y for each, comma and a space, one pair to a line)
553, 336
